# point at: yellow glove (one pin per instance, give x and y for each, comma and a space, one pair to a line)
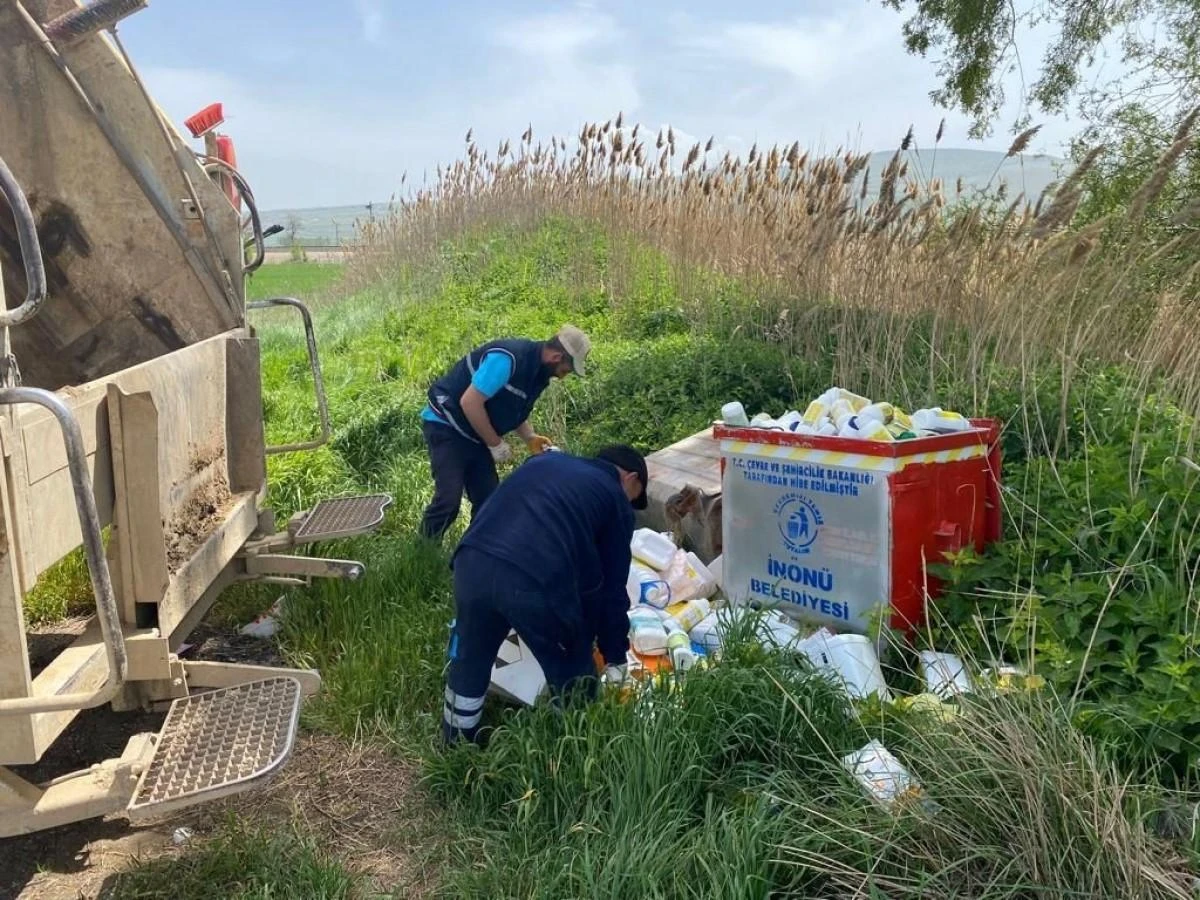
538, 444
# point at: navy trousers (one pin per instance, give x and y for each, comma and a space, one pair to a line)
491, 597
457, 464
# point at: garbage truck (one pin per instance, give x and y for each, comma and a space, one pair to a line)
131, 429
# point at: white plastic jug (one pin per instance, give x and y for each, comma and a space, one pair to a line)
873, 431
856, 401
734, 414
877, 412
881, 774
841, 412
852, 658
813, 645
688, 578
937, 419
789, 420
646, 632
781, 632
644, 585
652, 548
816, 413
945, 674
710, 631
692, 614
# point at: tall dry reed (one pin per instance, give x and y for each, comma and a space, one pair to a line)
976, 283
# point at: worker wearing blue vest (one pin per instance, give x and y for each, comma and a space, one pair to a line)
487, 394
548, 557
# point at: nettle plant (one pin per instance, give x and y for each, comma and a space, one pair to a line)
1094, 586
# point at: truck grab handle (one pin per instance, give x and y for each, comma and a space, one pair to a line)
93, 546
31, 251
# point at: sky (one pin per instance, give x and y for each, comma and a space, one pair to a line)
330, 103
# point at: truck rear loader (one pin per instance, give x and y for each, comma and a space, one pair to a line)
131, 427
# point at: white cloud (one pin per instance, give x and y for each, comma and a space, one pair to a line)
838, 77
371, 19
812, 52
354, 159
561, 35
573, 69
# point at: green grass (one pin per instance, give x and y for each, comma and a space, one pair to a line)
294, 279
241, 863
728, 787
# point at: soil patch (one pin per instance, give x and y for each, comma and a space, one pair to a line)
362, 802
203, 509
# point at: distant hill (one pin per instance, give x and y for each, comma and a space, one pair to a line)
979, 170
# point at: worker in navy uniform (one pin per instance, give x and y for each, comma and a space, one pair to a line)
548, 556
487, 394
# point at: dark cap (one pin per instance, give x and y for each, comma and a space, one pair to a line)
625, 457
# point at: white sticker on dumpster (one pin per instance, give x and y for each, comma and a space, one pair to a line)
812, 537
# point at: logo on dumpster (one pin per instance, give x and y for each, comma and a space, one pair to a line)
799, 521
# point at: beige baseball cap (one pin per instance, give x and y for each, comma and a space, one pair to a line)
577, 344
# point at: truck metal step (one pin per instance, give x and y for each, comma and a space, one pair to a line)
219, 743
342, 517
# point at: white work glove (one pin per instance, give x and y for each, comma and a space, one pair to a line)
616, 674
501, 453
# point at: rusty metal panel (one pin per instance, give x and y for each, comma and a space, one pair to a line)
131, 273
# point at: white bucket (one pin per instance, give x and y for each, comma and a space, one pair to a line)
853, 658
813, 645
944, 673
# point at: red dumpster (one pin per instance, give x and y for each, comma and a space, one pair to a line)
830, 528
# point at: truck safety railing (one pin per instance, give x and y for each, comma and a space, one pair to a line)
31, 252
314, 364
93, 545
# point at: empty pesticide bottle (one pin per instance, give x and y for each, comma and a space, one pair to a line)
937, 419
647, 586
692, 614
734, 414
874, 431
679, 648
840, 412
652, 548
856, 401
815, 414
789, 420
877, 412
646, 632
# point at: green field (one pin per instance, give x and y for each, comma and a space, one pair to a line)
300, 279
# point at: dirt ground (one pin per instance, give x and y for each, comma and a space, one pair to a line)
362, 803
